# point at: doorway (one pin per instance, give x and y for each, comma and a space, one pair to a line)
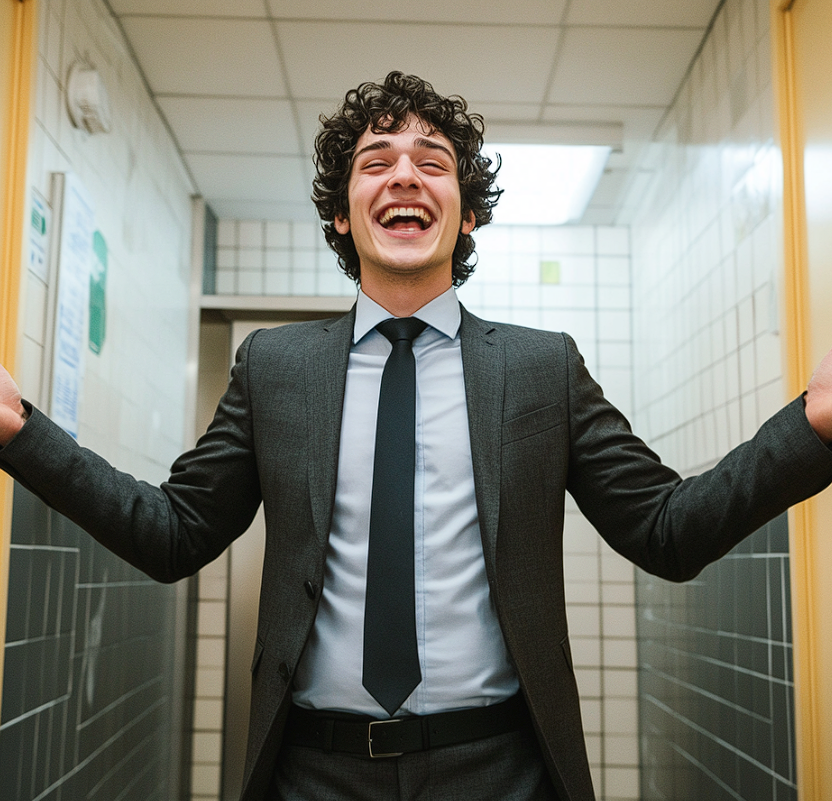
221, 333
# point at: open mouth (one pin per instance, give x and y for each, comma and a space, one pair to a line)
405, 218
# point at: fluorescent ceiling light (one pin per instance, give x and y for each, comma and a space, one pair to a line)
546, 184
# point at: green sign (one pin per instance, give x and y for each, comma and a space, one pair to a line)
98, 293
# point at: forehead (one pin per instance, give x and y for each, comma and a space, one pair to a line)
414, 134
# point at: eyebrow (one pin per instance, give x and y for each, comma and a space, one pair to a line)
384, 144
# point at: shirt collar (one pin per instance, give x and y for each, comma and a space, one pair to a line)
442, 313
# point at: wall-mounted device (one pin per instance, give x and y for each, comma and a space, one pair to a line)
87, 101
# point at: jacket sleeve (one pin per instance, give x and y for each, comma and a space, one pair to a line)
670, 526
168, 532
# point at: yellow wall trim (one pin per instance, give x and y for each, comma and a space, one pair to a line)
18, 46
811, 734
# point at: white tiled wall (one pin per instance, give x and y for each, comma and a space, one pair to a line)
258, 257
132, 407
707, 372
591, 301
708, 253
209, 691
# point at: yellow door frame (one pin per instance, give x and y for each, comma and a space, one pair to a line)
810, 549
18, 49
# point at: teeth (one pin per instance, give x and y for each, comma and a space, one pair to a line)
405, 211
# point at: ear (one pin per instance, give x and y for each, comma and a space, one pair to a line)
342, 224
469, 222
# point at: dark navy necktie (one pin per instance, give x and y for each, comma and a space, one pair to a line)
391, 654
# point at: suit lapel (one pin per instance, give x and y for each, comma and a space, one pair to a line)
483, 366
326, 371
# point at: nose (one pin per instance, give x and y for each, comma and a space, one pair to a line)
404, 174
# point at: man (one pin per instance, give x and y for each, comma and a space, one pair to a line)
506, 420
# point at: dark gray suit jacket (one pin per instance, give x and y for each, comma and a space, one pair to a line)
539, 426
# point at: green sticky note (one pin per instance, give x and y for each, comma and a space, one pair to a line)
550, 272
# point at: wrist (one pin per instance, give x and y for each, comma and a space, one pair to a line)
11, 421
819, 417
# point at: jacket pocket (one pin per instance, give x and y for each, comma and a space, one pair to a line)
532, 423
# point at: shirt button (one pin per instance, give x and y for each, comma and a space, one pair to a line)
311, 589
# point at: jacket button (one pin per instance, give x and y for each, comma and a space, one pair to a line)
283, 670
311, 589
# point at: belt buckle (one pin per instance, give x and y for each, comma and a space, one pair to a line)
372, 723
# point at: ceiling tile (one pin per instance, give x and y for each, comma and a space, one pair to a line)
478, 62
308, 112
529, 12
207, 56
232, 125
646, 13
191, 8
272, 179
507, 112
214, 68
629, 66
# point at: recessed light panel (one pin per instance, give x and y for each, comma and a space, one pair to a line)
546, 184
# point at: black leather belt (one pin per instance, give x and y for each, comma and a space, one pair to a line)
364, 736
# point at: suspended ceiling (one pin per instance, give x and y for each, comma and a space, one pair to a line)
242, 83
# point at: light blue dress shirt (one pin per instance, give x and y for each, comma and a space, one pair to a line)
462, 653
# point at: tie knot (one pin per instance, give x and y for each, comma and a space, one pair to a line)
399, 328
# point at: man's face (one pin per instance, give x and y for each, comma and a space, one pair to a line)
404, 204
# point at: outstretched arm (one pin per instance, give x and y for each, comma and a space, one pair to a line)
168, 532
674, 527
819, 400
12, 412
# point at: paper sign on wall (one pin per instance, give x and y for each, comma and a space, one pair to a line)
77, 226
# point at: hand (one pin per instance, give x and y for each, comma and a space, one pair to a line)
12, 413
819, 399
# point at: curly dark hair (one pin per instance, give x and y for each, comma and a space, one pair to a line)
384, 108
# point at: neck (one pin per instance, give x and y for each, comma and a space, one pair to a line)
403, 298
